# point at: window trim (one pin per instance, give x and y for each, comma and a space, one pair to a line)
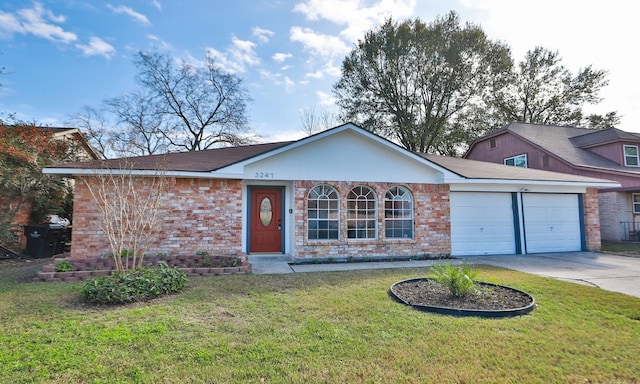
633, 203
367, 211
524, 155
387, 220
625, 156
331, 189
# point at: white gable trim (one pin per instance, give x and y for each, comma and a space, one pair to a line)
447, 176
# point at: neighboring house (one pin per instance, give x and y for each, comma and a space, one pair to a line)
82, 151
609, 154
347, 193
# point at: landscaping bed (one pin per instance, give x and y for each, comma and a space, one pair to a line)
489, 300
193, 265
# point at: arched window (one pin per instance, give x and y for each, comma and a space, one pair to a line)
398, 213
323, 218
361, 213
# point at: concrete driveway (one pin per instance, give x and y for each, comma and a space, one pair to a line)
611, 272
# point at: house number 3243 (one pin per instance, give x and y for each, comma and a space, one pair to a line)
264, 175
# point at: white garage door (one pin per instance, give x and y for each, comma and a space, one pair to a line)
551, 222
482, 224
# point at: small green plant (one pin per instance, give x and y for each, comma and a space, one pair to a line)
459, 279
202, 252
134, 285
207, 262
162, 255
64, 266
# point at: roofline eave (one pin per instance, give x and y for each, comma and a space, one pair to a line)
589, 184
73, 172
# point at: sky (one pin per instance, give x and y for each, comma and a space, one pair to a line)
61, 55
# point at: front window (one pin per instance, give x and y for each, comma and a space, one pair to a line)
631, 156
398, 213
516, 161
361, 213
323, 213
636, 202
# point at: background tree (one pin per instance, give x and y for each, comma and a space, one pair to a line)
313, 121
415, 83
202, 107
176, 107
542, 91
94, 125
140, 125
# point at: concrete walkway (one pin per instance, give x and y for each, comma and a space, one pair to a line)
607, 271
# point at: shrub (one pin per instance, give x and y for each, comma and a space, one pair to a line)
64, 266
459, 280
134, 285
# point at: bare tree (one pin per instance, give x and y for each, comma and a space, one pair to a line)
129, 206
93, 124
202, 107
313, 121
140, 125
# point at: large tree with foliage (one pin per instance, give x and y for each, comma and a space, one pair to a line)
541, 90
24, 150
414, 82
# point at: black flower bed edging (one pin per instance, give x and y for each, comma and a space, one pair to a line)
467, 312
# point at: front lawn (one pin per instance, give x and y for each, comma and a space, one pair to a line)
338, 327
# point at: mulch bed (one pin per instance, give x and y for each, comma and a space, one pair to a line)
490, 297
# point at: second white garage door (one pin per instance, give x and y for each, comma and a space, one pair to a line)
482, 224
551, 222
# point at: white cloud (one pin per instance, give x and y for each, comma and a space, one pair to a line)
139, 17
315, 75
279, 80
165, 46
319, 44
38, 22
281, 57
9, 24
354, 14
97, 46
157, 4
262, 34
237, 57
325, 98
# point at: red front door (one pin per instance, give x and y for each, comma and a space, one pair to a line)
265, 220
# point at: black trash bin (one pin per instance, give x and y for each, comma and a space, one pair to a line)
42, 240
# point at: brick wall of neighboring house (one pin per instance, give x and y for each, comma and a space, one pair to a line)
23, 217
592, 219
431, 224
612, 212
199, 215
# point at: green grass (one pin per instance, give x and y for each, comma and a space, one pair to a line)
338, 327
621, 246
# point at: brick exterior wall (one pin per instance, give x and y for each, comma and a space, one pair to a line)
207, 215
592, 219
612, 212
431, 224
200, 214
